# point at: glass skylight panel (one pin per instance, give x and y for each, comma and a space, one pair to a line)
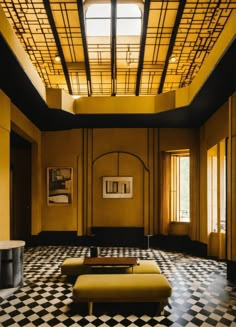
98, 20
128, 10
99, 11
97, 27
128, 27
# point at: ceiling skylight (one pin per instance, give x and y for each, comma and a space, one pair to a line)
98, 19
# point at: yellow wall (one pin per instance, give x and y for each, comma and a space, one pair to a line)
212, 132
231, 181
12, 118
132, 140
100, 152
62, 149
177, 138
185, 138
120, 152
179, 228
216, 245
4, 167
94, 153
26, 129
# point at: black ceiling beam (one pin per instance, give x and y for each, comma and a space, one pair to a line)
172, 43
85, 45
58, 43
142, 45
113, 45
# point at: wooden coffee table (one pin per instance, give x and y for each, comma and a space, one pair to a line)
111, 261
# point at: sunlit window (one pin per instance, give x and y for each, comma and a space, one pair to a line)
212, 189
98, 19
216, 188
180, 186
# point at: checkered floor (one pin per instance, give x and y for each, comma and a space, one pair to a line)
201, 294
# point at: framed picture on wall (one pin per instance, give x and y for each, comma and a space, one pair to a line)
59, 185
117, 187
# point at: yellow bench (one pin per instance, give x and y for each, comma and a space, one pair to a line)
121, 288
75, 267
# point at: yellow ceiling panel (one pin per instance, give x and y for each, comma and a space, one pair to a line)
47, 28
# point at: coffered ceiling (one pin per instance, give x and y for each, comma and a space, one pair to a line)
118, 65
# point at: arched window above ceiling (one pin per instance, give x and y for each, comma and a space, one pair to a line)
98, 19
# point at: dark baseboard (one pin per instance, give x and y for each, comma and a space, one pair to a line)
120, 237
100, 236
58, 238
231, 271
179, 243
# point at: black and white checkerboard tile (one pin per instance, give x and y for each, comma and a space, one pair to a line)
201, 294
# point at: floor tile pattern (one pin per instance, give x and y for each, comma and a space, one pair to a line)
201, 294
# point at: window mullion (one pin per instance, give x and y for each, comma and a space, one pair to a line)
178, 188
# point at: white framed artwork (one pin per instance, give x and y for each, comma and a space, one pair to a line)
59, 185
117, 187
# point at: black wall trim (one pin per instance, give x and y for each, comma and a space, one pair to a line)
58, 238
118, 236
123, 237
231, 271
16, 84
179, 243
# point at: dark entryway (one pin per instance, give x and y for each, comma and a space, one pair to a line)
20, 190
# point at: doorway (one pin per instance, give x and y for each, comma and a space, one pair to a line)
216, 200
20, 188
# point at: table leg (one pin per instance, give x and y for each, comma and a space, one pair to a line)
90, 308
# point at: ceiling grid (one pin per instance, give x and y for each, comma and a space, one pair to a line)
121, 65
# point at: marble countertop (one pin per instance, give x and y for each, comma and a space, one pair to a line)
6, 245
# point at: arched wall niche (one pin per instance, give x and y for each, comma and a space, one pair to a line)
120, 212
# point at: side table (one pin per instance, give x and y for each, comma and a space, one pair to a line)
11, 263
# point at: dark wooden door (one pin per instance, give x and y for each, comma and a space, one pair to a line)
20, 205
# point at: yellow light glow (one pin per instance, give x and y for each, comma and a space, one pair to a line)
57, 59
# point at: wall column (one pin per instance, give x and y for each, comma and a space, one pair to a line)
231, 192
87, 181
5, 106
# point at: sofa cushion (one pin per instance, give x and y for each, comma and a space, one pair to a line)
125, 287
145, 267
75, 267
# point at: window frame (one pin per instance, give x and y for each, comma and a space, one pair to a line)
175, 186
216, 187
118, 18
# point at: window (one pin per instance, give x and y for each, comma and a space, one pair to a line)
216, 188
223, 186
180, 186
212, 189
98, 19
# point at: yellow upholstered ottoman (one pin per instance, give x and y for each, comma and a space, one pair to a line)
74, 267
121, 288
145, 267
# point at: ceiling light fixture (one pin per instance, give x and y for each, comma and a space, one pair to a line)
173, 59
57, 59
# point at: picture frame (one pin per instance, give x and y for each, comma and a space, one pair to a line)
59, 185
117, 187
